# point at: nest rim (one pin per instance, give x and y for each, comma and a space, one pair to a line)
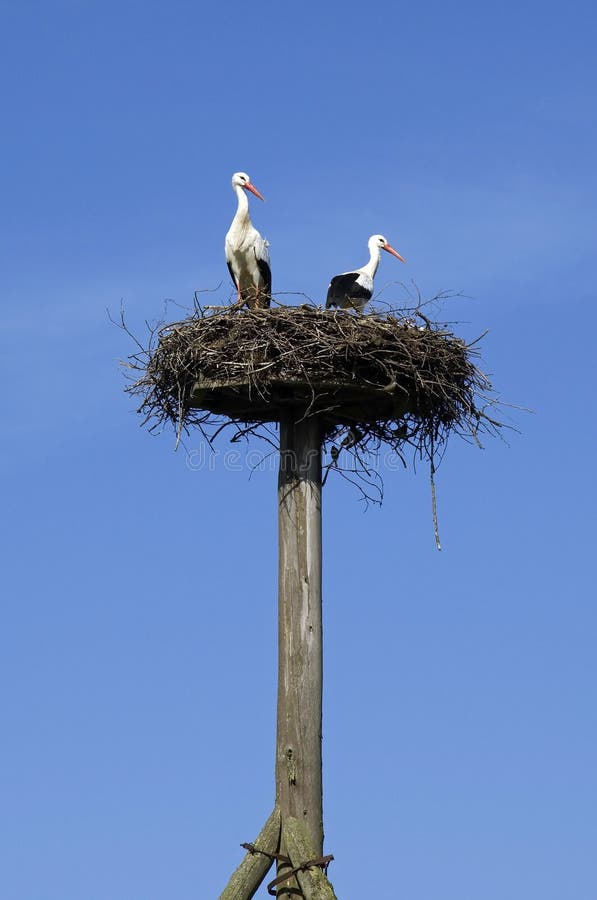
385, 378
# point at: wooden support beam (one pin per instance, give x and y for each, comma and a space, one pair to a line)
246, 879
313, 882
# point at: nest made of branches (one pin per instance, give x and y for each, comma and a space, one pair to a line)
373, 380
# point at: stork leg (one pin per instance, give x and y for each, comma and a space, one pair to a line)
237, 305
239, 300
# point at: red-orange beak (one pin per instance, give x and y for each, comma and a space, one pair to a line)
394, 253
250, 187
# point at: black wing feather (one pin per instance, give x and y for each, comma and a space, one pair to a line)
231, 270
345, 290
265, 295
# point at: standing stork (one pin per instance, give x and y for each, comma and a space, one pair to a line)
353, 290
247, 255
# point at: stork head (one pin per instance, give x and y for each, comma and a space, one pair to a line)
381, 243
241, 179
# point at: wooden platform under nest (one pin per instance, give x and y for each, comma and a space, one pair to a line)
336, 402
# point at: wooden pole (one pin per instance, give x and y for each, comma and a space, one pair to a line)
298, 751
297, 819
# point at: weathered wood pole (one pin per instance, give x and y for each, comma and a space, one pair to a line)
298, 743
295, 828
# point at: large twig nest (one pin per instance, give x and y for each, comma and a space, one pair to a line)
372, 379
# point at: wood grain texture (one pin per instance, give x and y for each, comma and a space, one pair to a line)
313, 883
298, 756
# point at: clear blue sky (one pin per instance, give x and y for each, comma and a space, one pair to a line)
138, 623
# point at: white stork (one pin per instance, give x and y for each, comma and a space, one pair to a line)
246, 251
353, 290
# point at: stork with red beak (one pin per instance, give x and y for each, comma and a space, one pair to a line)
247, 255
353, 290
